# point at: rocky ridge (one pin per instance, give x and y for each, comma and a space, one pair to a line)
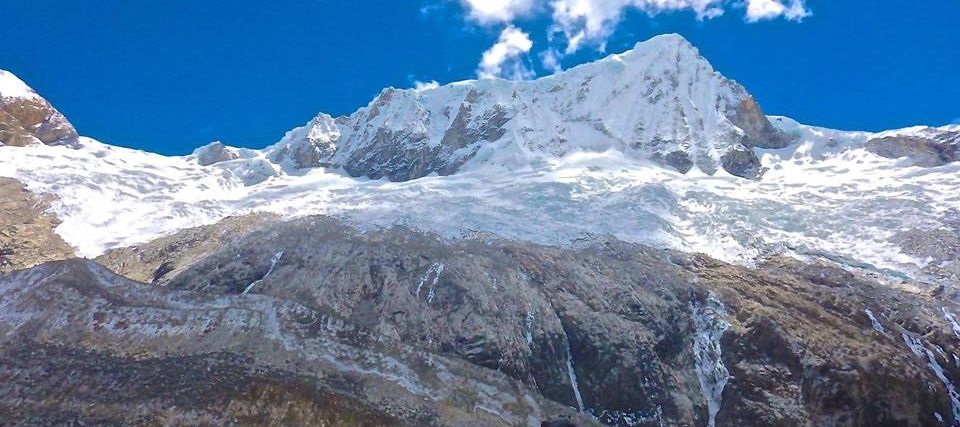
628, 334
921, 146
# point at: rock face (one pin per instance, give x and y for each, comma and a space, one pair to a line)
27, 235
925, 147
808, 339
164, 258
28, 119
215, 152
939, 244
309, 146
248, 166
659, 101
88, 387
628, 334
79, 345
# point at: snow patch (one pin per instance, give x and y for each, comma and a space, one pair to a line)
953, 321
572, 375
917, 347
434, 271
273, 263
631, 419
528, 323
877, 326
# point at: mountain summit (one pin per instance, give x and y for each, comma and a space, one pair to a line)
660, 101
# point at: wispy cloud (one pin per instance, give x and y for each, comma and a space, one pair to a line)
505, 58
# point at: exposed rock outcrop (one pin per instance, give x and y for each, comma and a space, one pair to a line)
613, 328
27, 236
925, 147
28, 119
215, 152
309, 146
162, 259
81, 345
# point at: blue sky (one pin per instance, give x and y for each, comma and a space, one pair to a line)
170, 75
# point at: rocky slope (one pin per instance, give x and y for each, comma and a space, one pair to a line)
27, 236
628, 334
921, 146
80, 345
27, 119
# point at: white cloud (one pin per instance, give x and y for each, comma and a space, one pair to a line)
759, 10
592, 21
494, 11
505, 58
589, 23
550, 59
422, 86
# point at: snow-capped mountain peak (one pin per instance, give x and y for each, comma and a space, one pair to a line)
660, 101
549, 160
12, 87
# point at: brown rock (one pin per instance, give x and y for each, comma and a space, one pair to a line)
29, 121
27, 236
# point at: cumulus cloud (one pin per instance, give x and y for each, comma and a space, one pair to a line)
590, 22
758, 10
422, 86
494, 11
584, 22
550, 59
577, 24
505, 58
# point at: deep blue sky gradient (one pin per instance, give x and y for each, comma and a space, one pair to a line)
170, 75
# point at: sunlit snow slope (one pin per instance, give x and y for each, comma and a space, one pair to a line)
824, 194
